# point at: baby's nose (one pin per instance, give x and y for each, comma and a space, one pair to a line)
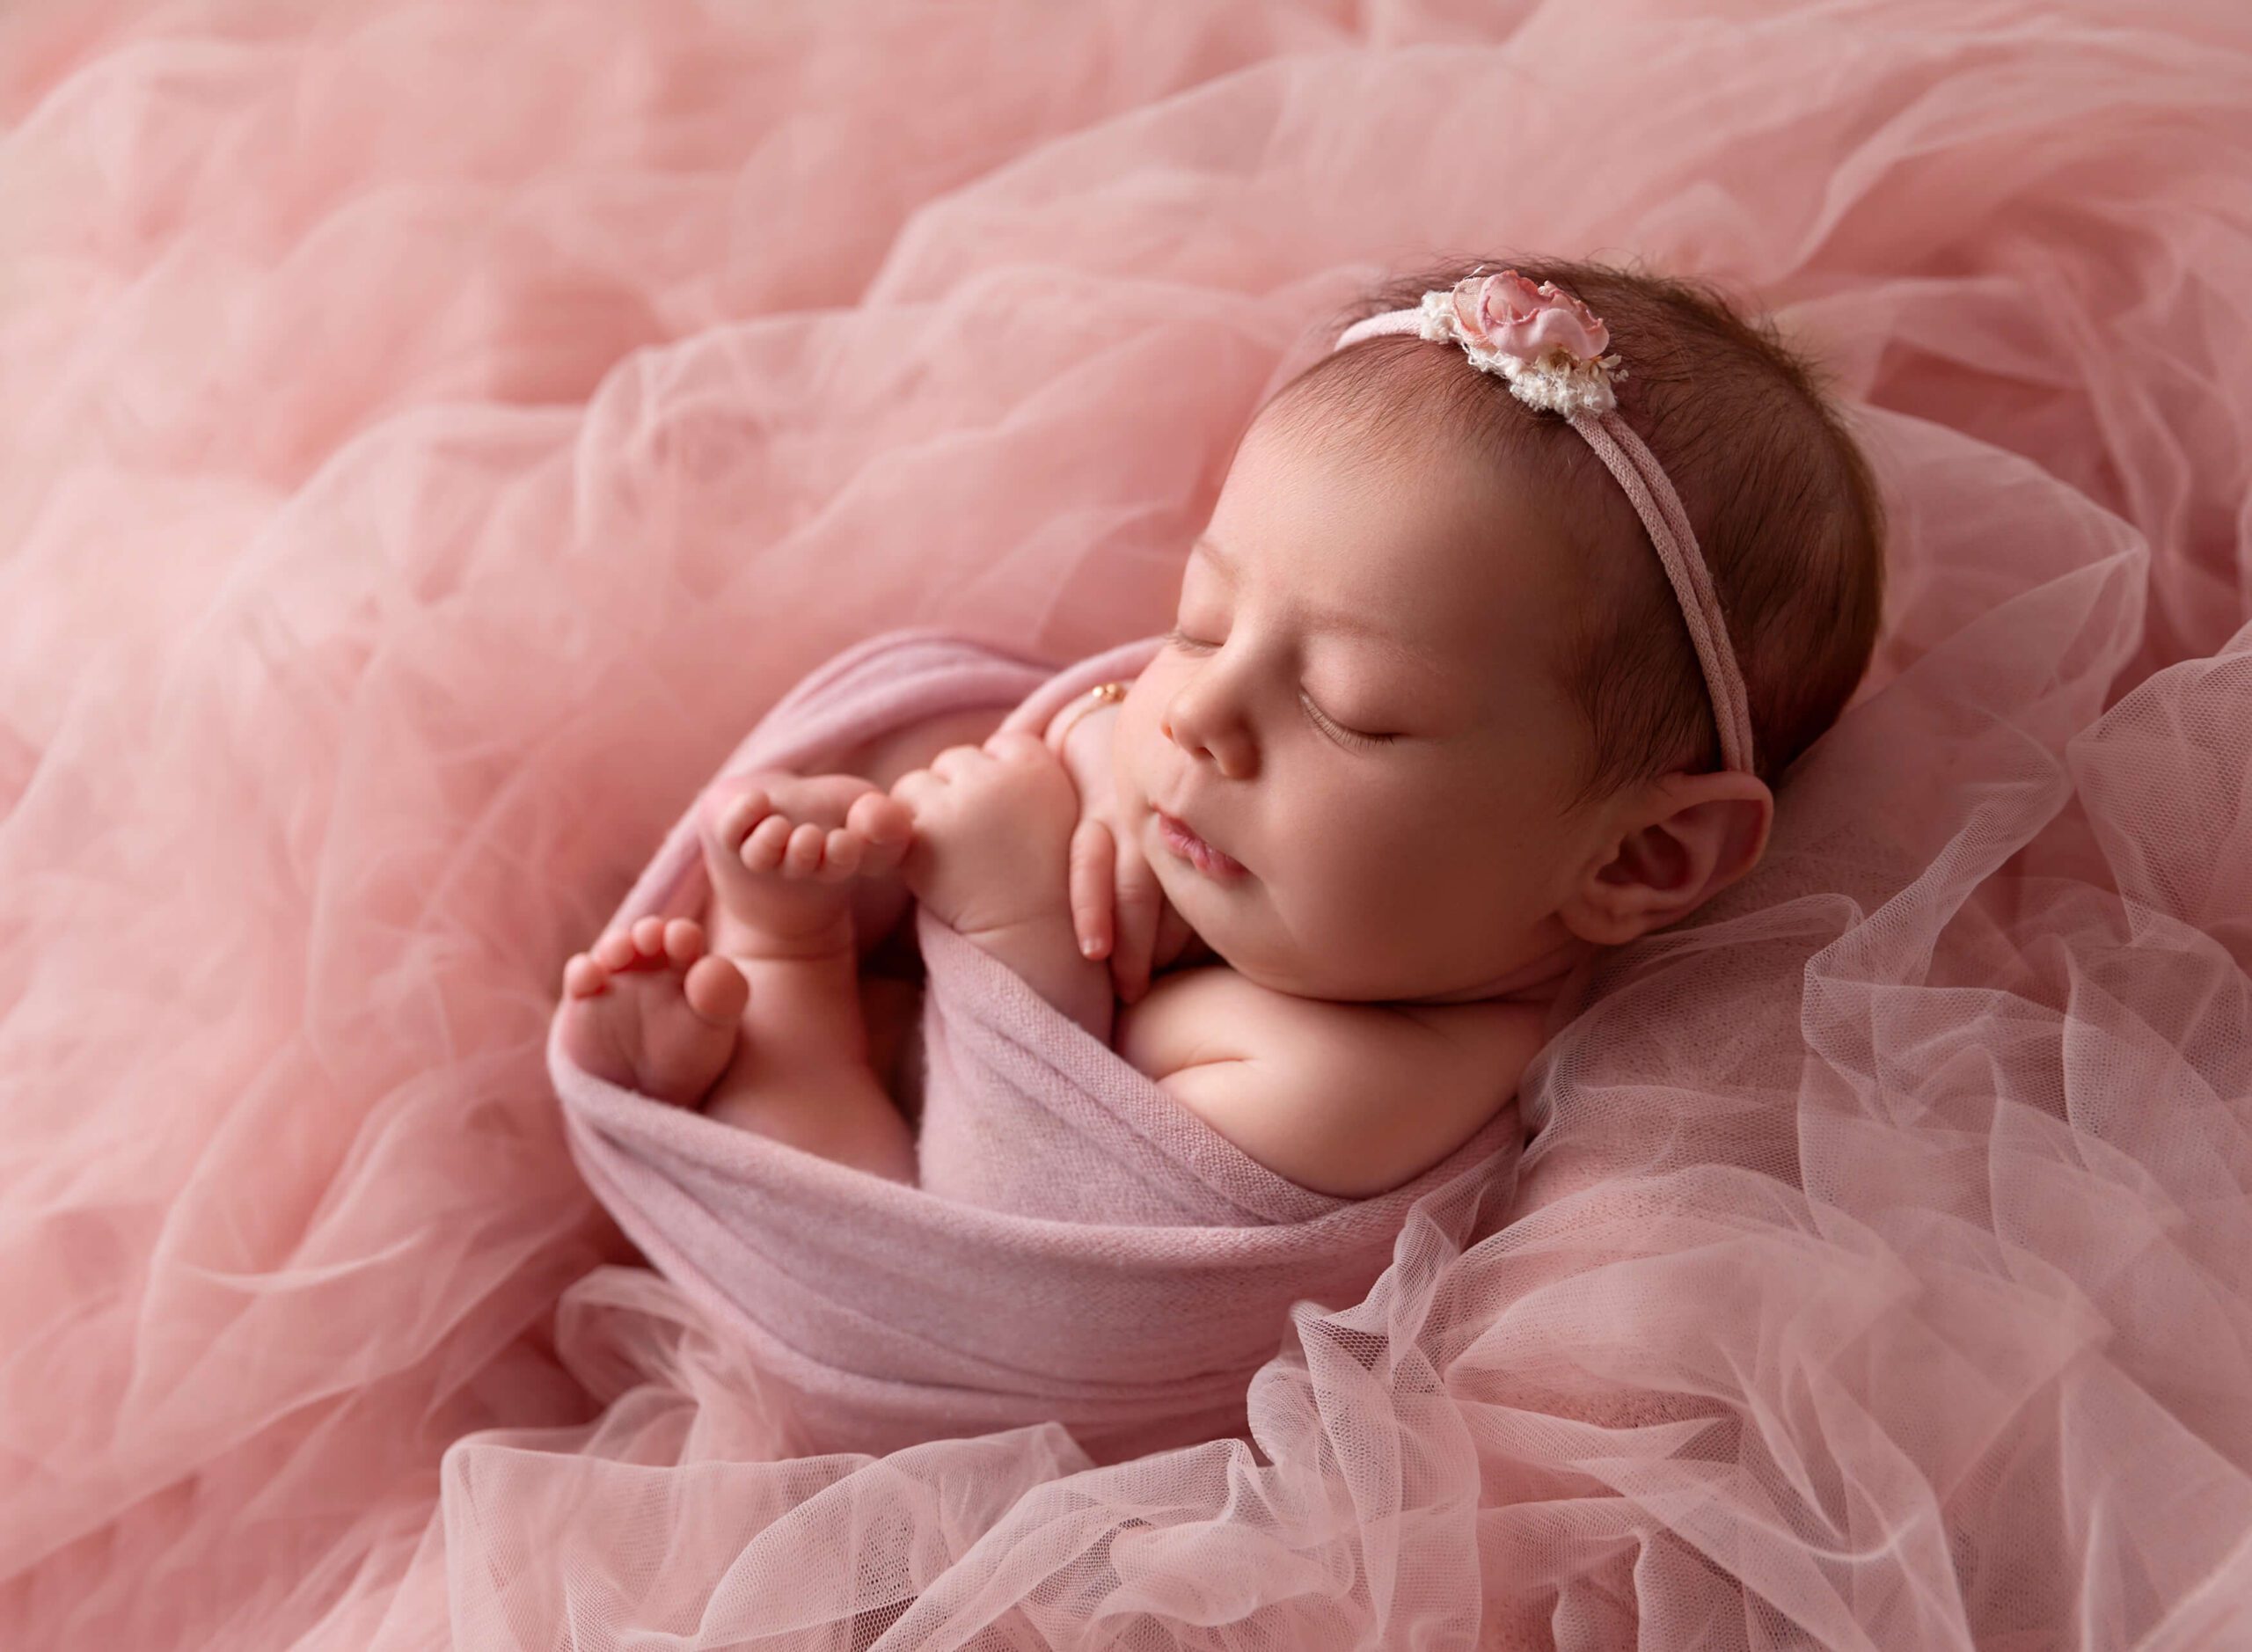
1232, 754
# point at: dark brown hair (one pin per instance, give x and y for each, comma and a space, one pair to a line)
1784, 505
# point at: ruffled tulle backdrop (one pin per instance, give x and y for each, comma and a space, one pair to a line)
430, 434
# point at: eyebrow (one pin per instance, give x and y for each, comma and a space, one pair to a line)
1219, 556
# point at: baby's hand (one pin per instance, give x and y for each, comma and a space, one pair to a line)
993, 835
1120, 910
1118, 907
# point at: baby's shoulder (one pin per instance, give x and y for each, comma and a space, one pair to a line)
1210, 1014
1346, 1099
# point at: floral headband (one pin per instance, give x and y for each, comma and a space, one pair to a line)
1549, 346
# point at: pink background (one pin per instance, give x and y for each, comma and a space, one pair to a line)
431, 435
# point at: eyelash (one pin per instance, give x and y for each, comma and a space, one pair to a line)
1370, 741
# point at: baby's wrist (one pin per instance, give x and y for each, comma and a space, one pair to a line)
1083, 748
1083, 709
1044, 953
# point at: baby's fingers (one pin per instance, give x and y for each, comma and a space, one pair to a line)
1016, 745
1138, 900
1092, 854
957, 762
913, 786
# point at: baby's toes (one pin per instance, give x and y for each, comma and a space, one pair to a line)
769, 841
683, 942
803, 857
886, 826
739, 815
647, 943
583, 978
716, 990
840, 856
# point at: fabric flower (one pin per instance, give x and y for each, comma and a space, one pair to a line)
1547, 343
1507, 314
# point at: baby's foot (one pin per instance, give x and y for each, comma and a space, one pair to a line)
649, 1009
783, 851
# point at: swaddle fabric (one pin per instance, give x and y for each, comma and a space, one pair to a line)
1081, 1249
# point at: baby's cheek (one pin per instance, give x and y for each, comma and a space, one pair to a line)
1365, 843
1400, 874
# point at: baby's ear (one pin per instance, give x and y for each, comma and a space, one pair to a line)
1681, 841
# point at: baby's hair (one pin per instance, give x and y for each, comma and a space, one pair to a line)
1784, 504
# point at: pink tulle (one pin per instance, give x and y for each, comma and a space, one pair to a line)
431, 435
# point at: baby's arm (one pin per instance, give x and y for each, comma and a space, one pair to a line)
990, 859
1046, 952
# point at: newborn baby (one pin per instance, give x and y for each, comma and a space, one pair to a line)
1448, 708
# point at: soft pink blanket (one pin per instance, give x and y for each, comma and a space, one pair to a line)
432, 432
1080, 1249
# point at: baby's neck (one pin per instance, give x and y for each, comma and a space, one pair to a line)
1536, 981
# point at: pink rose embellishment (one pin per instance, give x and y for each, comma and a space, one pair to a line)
1509, 315
1547, 343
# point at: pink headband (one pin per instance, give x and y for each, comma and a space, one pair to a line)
1550, 347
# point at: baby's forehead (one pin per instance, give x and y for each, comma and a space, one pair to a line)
1453, 552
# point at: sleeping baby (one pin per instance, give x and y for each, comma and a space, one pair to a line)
1464, 687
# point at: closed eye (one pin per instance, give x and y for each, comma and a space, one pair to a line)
1320, 718
1344, 733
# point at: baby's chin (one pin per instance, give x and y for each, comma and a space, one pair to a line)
1222, 927
1220, 933
1202, 907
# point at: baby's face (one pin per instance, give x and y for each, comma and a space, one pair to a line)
1340, 591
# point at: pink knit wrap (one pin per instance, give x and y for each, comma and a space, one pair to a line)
1081, 1248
